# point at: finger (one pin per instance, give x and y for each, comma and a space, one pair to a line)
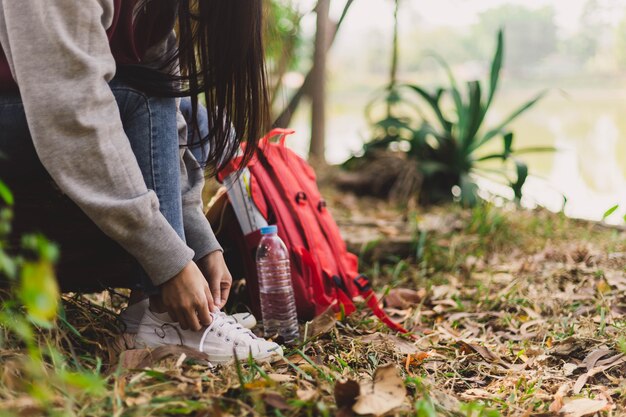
225, 291
214, 283
192, 319
182, 319
173, 315
203, 312
209, 301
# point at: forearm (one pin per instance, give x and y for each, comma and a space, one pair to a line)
198, 232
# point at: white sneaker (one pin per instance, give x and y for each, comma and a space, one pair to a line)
132, 315
223, 340
246, 320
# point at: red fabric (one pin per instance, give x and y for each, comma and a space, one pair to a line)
6, 79
323, 272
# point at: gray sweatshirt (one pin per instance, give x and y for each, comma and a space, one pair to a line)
59, 55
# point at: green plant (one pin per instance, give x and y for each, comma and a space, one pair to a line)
610, 212
283, 40
448, 142
477, 409
28, 311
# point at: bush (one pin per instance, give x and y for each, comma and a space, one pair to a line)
447, 143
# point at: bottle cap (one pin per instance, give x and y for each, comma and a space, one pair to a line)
267, 230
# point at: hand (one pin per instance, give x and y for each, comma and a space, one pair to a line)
187, 298
214, 269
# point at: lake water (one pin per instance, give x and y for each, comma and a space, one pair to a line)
586, 125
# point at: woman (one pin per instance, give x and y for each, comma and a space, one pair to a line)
87, 105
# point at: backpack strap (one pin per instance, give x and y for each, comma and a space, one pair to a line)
365, 290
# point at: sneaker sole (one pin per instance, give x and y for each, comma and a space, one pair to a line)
215, 359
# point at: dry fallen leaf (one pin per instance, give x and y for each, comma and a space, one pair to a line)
280, 377
135, 401
416, 359
403, 298
486, 354
321, 324
595, 356
567, 346
557, 404
476, 394
584, 407
569, 368
582, 379
346, 393
308, 394
381, 395
145, 358
276, 400
400, 345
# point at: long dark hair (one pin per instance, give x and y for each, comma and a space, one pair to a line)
221, 56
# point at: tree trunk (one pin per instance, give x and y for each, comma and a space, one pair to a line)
318, 90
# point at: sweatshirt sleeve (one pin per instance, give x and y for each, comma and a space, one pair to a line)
59, 55
198, 232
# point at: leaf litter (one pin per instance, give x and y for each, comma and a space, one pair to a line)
525, 319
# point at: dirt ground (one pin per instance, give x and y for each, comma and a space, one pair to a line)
513, 312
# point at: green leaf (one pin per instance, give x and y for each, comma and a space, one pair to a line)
492, 156
425, 408
498, 130
5, 194
454, 91
609, 212
522, 175
421, 246
474, 114
158, 375
508, 143
433, 102
18, 324
63, 319
505, 156
88, 383
39, 244
8, 265
496, 66
39, 292
535, 149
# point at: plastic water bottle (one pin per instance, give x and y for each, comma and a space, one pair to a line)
278, 305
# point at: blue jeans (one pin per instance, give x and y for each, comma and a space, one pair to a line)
194, 138
89, 259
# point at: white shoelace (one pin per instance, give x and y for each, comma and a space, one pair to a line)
230, 330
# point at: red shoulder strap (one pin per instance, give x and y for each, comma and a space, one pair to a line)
365, 290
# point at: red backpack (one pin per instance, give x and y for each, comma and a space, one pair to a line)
283, 187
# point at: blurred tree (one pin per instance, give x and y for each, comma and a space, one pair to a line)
584, 44
284, 117
620, 44
445, 41
317, 146
283, 41
531, 34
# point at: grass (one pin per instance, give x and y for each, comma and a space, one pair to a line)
513, 309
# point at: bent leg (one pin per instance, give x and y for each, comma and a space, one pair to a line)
89, 259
